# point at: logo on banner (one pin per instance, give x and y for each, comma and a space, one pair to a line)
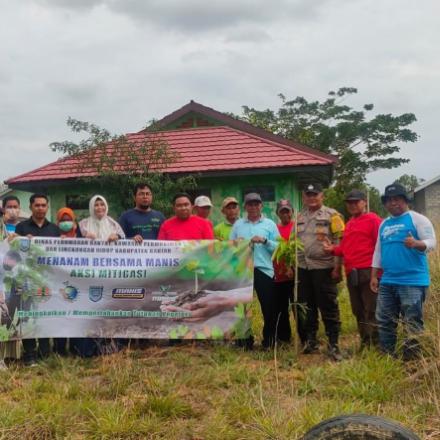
25, 244
42, 293
95, 293
163, 294
128, 293
69, 292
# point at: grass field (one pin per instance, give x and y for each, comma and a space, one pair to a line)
220, 392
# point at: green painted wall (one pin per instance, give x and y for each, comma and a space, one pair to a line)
221, 187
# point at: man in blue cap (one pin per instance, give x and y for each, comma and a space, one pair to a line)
404, 239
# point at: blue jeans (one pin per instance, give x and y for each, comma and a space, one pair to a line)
395, 302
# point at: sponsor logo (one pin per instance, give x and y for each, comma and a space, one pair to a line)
43, 291
95, 293
164, 294
70, 293
25, 244
128, 293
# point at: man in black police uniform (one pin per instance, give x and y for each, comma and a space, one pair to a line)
38, 226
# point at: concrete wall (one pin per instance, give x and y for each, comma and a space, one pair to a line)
428, 200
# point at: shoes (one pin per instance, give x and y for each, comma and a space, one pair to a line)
245, 343
334, 353
310, 347
30, 362
411, 350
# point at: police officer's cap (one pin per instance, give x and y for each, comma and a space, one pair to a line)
314, 188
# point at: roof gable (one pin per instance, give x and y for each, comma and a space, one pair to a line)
199, 112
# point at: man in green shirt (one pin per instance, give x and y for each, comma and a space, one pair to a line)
231, 211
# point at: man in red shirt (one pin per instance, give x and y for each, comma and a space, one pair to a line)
184, 225
284, 274
357, 248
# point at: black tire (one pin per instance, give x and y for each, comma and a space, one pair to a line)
359, 426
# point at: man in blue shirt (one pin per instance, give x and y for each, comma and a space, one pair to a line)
142, 222
262, 233
402, 244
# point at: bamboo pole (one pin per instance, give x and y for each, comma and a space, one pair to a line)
295, 288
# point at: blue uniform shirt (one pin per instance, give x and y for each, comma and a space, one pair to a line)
264, 227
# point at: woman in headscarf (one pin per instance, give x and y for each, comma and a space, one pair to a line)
66, 221
99, 226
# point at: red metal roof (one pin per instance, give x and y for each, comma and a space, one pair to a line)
200, 150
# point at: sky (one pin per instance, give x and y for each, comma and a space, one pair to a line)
121, 63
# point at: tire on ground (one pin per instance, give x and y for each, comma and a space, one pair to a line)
359, 426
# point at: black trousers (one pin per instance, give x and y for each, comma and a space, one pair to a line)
84, 347
30, 348
271, 307
283, 296
317, 293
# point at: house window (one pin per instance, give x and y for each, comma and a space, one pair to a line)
267, 192
199, 192
77, 201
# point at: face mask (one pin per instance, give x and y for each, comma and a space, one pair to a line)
12, 213
66, 226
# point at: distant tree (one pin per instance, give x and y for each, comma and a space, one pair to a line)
361, 142
409, 181
115, 163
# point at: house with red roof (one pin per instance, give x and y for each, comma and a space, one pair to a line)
230, 158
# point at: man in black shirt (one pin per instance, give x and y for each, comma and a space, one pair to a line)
38, 226
142, 222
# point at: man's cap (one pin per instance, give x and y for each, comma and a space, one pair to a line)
394, 190
228, 201
284, 204
252, 197
202, 201
355, 194
315, 188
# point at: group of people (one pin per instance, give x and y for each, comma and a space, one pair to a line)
385, 260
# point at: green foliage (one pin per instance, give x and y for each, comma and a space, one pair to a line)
4, 333
222, 259
287, 249
27, 275
361, 142
409, 181
122, 161
241, 328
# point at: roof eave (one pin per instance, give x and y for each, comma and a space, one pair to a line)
324, 171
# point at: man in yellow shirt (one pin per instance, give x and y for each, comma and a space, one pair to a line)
231, 211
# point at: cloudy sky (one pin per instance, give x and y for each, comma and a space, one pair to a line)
120, 63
